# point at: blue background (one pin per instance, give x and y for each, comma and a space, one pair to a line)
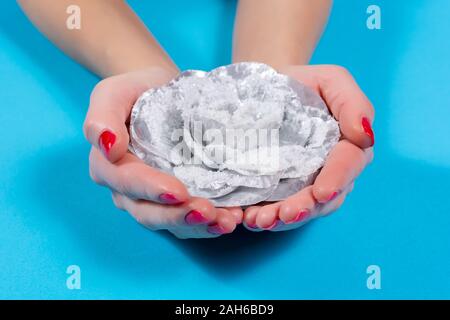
398, 216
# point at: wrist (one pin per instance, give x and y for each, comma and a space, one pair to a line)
126, 62
162, 72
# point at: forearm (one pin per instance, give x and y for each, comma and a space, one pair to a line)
111, 40
278, 32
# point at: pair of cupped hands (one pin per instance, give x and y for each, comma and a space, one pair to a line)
160, 201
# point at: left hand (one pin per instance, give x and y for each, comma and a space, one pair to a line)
155, 199
347, 159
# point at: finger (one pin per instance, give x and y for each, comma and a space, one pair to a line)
236, 212
345, 99
155, 216
199, 211
110, 105
225, 222
267, 216
116, 198
336, 203
250, 218
344, 163
299, 207
132, 177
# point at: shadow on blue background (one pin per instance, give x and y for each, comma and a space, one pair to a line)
397, 217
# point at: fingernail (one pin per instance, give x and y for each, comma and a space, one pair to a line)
275, 224
169, 198
252, 226
301, 216
216, 229
332, 196
368, 130
195, 217
106, 141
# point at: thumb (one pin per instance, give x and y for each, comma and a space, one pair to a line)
345, 99
105, 126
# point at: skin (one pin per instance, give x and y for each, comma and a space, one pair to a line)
284, 35
118, 47
114, 44
135, 185
278, 33
112, 39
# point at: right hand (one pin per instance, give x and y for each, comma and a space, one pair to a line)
155, 199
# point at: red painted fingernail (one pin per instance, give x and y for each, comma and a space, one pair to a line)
332, 196
169, 198
216, 229
301, 216
106, 141
195, 217
252, 226
368, 129
275, 224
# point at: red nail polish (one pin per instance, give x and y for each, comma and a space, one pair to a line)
275, 224
195, 217
216, 229
368, 130
332, 196
301, 216
168, 198
106, 141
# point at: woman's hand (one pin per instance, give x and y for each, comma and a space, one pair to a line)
355, 114
155, 199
